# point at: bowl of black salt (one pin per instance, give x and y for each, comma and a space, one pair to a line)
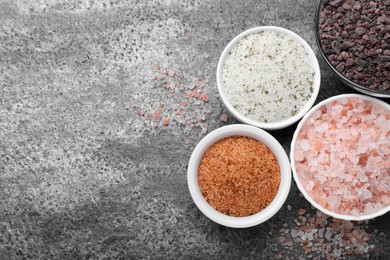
353, 37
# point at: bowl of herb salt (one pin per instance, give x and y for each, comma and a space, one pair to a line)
268, 77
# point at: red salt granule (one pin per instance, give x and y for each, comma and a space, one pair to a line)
156, 115
342, 156
204, 97
165, 121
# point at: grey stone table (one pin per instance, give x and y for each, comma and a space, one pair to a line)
97, 127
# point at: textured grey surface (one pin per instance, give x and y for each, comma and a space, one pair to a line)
82, 174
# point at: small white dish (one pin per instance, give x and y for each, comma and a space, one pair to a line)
293, 165
248, 131
285, 122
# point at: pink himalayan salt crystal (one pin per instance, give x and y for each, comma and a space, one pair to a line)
342, 156
224, 118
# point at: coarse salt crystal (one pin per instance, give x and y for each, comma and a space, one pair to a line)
323, 127
165, 121
321, 232
385, 199
301, 211
224, 118
334, 202
310, 185
328, 233
348, 177
305, 145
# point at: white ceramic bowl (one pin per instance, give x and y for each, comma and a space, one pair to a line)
275, 125
252, 132
292, 158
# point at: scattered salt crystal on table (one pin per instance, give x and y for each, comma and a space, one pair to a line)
182, 98
165, 121
342, 156
224, 118
328, 233
294, 233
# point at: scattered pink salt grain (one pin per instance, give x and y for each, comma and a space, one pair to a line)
224, 118
325, 238
165, 121
199, 82
342, 156
156, 115
205, 97
204, 127
176, 98
282, 239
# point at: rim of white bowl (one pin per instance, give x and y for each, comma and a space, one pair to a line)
292, 158
275, 125
252, 132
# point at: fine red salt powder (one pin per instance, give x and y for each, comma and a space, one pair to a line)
342, 156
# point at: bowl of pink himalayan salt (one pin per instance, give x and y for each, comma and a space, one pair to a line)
340, 157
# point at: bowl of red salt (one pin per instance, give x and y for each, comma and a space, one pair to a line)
239, 176
340, 157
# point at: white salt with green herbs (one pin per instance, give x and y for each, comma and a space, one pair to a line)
268, 76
